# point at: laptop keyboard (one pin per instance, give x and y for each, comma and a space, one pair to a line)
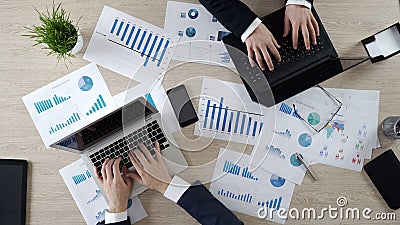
288, 54
146, 135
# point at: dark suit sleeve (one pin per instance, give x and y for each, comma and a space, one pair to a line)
125, 222
233, 14
205, 208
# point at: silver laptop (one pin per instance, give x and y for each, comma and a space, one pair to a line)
120, 132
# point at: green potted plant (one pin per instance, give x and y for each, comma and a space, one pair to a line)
58, 33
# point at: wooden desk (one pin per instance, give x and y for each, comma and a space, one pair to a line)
25, 69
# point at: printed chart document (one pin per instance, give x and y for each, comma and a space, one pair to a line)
226, 112
69, 103
246, 192
123, 44
88, 196
200, 34
343, 142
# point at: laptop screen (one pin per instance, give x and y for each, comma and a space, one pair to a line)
135, 111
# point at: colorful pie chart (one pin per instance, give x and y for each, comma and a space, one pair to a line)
85, 83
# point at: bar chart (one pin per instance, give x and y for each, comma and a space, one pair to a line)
71, 120
43, 105
81, 177
232, 116
271, 204
98, 105
240, 197
222, 118
47, 104
234, 169
285, 108
149, 45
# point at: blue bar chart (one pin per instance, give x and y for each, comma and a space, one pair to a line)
271, 204
98, 105
226, 112
81, 177
285, 108
224, 119
149, 45
232, 168
239, 197
43, 105
71, 120
58, 100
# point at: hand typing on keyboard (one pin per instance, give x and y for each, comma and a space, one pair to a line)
258, 44
300, 18
150, 171
117, 186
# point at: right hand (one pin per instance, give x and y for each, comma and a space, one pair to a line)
258, 44
151, 172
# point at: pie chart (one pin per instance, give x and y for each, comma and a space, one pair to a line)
277, 181
190, 32
305, 140
294, 160
85, 83
193, 14
313, 118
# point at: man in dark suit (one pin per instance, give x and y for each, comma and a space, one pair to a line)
153, 173
244, 23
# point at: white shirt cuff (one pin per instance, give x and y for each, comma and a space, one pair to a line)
176, 189
299, 2
115, 217
250, 29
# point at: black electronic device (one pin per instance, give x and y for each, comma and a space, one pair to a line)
13, 184
183, 108
384, 172
298, 70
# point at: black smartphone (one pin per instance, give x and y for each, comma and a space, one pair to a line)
183, 108
384, 172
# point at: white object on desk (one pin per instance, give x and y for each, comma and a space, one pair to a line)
386, 43
226, 112
88, 197
247, 191
200, 34
124, 44
68, 104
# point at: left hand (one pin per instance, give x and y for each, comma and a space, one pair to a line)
301, 18
117, 187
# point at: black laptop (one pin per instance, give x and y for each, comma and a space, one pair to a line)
298, 70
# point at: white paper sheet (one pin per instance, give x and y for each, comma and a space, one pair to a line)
365, 102
343, 143
88, 196
123, 44
226, 112
200, 34
388, 41
69, 103
246, 192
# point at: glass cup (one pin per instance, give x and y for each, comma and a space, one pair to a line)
391, 127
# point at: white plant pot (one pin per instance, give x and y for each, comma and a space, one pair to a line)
79, 44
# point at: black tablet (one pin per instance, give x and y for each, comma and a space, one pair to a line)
13, 181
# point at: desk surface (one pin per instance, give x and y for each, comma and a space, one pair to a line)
24, 69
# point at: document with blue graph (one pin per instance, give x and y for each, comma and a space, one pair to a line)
88, 196
69, 103
246, 191
342, 142
200, 34
226, 112
123, 44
